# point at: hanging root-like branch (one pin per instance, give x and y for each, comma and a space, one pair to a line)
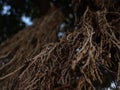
82, 60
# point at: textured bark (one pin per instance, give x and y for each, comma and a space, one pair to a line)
28, 42
82, 60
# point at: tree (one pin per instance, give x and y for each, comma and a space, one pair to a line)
83, 59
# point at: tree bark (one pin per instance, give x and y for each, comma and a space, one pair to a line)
85, 59
28, 42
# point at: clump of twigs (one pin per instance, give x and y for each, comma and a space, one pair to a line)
82, 60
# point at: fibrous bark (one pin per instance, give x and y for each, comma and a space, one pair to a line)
82, 60
78, 61
27, 43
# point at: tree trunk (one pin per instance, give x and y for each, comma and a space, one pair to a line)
85, 59
28, 43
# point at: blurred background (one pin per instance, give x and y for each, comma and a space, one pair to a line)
17, 14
